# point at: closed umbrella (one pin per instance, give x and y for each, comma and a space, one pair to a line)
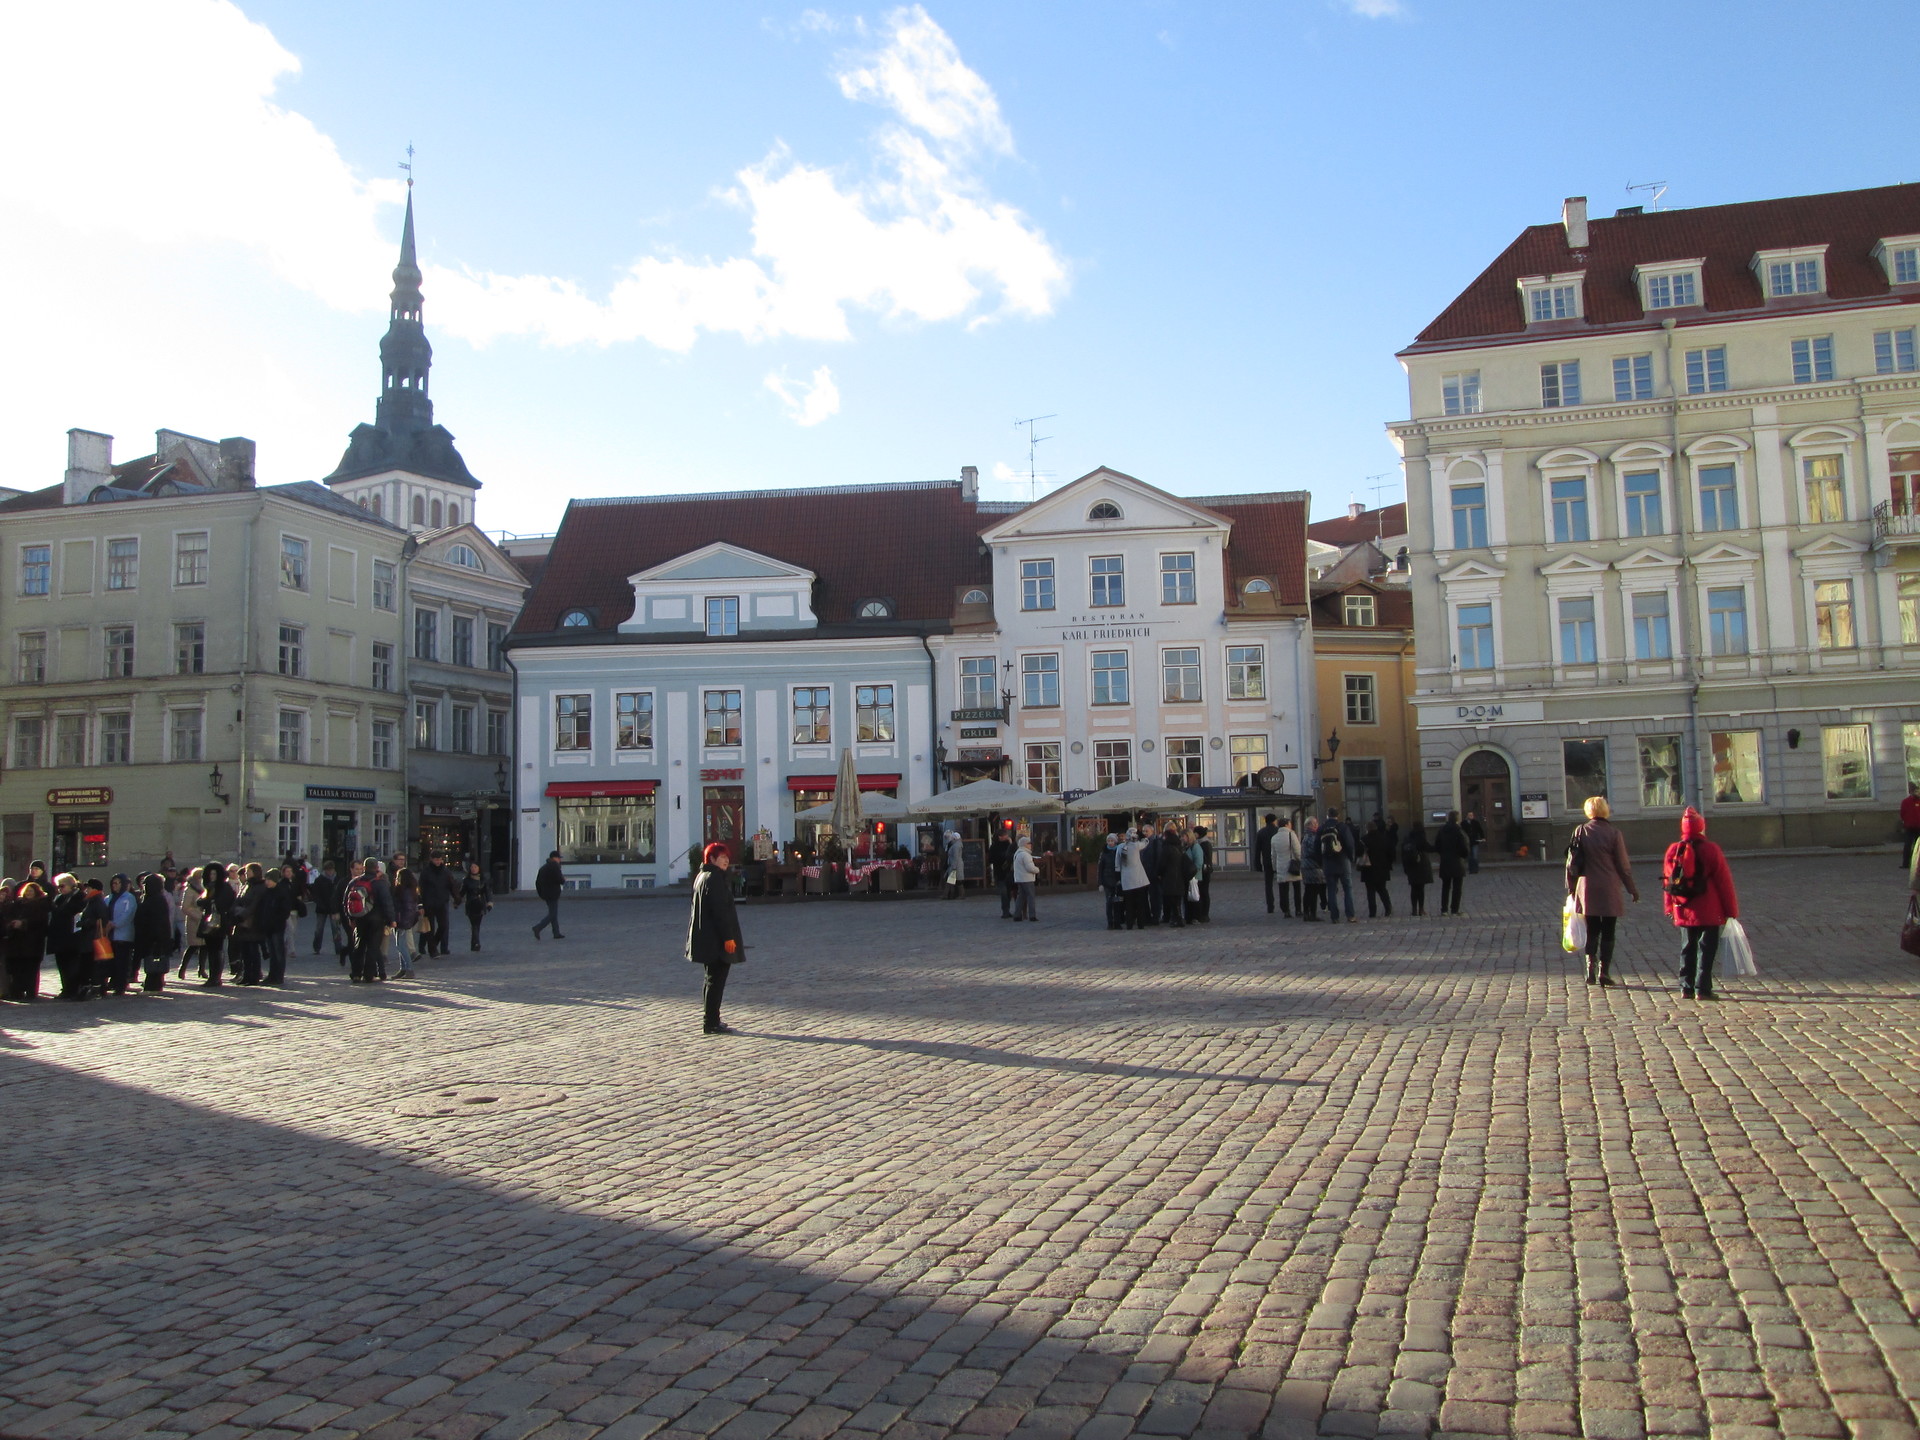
846, 802
1133, 795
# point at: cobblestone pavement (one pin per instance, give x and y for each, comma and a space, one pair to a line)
1404, 1177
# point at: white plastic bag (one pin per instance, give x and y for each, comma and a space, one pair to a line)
1573, 929
1736, 951
1193, 890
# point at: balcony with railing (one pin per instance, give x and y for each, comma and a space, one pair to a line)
1895, 525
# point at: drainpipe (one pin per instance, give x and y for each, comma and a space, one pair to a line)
1682, 513
933, 713
513, 772
243, 791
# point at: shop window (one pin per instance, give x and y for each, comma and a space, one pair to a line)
1846, 755
1737, 778
606, 830
1584, 767
1660, 785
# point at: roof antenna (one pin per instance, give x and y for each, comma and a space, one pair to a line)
1033, 440
1389, 480
1656, 189
407, 165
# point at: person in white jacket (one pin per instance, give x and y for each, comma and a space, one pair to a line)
1283, 849
1135, 883
1026, 872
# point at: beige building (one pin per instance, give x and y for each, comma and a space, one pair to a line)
196, 665
1661, 476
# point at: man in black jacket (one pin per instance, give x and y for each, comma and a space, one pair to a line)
1152, 861
1000, 861
547, 885
326, 904
436, 900
1262, 840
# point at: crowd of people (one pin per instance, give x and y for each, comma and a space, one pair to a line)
211, 920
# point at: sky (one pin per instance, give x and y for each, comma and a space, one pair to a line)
676, 248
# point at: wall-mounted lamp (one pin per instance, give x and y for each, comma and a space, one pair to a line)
214, 782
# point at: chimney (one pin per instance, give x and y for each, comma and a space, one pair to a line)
203, 453
1573, 215
969, 482
89, 464
234, 470
1355, 510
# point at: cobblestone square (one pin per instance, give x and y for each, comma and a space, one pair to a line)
1405, 1177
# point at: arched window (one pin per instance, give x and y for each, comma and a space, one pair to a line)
974, 597
875, 610
363, 503
453, 513
420, 510
463, 555
1105, 510
575, 619
1259, 587
436, 514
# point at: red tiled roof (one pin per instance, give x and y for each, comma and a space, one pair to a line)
1269, 538
1848, 222
911, 544
1367, 525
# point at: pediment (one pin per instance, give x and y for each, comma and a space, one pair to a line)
721, 561
493, 560
1142, 507
1640, 450
1830, 545
1570, 457
1821, 435
1574, 565
1648, 560
1473, 570
1727, 553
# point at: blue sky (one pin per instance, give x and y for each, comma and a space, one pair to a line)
677, 247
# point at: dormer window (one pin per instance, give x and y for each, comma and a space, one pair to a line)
1359, 609
875, 610
1552, 297
575, 620
1259, 587
974, 597
1788, 273
1899, 256
1104, 510
1672, 285
463, 555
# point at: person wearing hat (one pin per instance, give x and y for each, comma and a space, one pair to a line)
713, 932
1700, 898
547, 885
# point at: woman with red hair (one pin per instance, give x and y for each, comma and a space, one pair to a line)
1700, 898
713, 932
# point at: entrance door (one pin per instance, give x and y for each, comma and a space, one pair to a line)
724, 817
1486, 785
1364, 788
78, 840
339, 835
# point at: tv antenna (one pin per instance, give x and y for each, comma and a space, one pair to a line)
1655, 189
1033, 443
407, 165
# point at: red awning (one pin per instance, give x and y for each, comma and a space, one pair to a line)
590, 789
832, 782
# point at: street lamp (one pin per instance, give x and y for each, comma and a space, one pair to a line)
213, 783
1333, 750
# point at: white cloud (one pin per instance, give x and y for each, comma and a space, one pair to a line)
210, 157
1377, 9
808, 402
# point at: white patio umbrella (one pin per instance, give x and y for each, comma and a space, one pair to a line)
873, 806
1134, 795
984, 797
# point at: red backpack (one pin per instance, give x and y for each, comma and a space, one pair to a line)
358, 902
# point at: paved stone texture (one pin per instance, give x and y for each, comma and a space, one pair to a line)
968, 1177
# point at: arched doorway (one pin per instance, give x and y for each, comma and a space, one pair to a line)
1486, 789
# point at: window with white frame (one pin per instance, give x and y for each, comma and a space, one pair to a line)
1460, 392
381, 752
293, 736
381, 675
1186, 762
190, 558
1246, 756
1473, 626
1361, 610
1727, 620
69, 740
1039, 681
1362, 696
813, 715
573, 722
1846, 756
873, 713
1633, 377
462, 730
1180, 675
186, 731
1177, 585
496, 646
119, 648
293, 650
1577, 640
1706, 369
1111, 678
1812, 359
977, 685
116, 738
1571, 524
720, 710
1555, 299
1672, 290
1893, 351
290, 830
1043, 767
386, 587
1560, 383
1903, 265
1112, 763
462, 638
633, 721
1108, 580
123, 564
723, 615
30, 666
386, 833
1469, 518
293, 562
1652, 626
190, 648
1907, 594
1641, 491
1036, 584
426, 634
29, 741
1833, 614
1719, 498
1796, 276
497, 721
426, 724
1247, 672
1825, 479
36, 569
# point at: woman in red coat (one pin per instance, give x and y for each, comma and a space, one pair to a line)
1700, 898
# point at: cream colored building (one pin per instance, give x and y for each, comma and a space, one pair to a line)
1661, 474
196, 665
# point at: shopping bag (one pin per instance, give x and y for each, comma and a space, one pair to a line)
102, 948
1736, 952
1193, 891
1573, 929
1910, 932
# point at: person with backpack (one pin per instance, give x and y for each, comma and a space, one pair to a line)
1599, 878
1700, 898
368, 906
1338, 849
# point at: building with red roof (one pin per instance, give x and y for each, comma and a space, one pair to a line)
1663, 503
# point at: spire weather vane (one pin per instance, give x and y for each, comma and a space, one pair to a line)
407, 165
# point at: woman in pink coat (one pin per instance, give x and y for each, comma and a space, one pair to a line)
1700, 898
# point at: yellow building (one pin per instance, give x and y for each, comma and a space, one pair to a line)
1363, 666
